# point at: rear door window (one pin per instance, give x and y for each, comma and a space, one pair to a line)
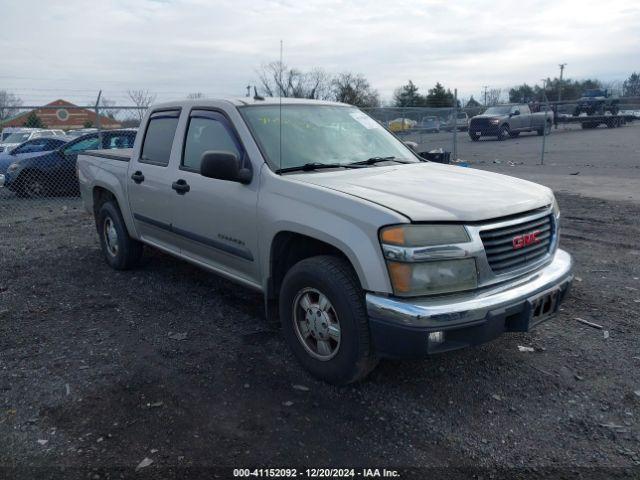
158, 138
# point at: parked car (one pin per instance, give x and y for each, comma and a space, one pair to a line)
80, 132
402, 124
30, 148
55, 172
462, 121
505, 121
24, 134
360, 247
430, 124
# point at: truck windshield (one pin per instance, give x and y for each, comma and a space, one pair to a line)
320, 134
498, 110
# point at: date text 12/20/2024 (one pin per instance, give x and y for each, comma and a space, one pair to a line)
315, 473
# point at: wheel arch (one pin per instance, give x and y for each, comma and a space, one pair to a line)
101, 194
289, 247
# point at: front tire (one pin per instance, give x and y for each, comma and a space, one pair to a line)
474, 137
503, 133
31, 185
120, 251
324, 320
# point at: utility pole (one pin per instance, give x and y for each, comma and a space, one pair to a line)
97, 110
562, 65
485, 94
248, 90
455, 124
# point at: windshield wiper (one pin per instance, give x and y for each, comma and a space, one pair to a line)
315, 166
373, 160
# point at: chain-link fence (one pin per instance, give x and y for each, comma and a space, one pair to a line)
39, 147
38, 156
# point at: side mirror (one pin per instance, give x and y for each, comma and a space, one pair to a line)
224, 166
516, 112
412, 145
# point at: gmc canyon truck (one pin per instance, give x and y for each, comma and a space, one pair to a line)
360, 247
504, 121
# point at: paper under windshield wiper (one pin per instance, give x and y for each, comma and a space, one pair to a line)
315, 166
372, 160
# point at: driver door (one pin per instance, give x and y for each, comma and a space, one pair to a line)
216, 223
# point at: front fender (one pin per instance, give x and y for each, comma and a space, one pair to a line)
348, 223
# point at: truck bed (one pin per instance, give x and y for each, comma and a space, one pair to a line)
121, 154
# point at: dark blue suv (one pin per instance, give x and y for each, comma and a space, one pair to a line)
54, 172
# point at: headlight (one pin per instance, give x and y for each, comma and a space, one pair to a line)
423, 235
428, 259
495, 121
13, 167
428, 278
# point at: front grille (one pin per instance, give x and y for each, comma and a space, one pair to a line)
482, 125
499, 244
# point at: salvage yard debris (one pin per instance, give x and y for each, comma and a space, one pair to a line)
144, 463
525, 349
178, 336
590, 324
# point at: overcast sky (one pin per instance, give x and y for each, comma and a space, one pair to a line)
72, 48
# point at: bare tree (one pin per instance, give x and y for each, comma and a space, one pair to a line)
494, 97
195, 96
277, 79
354, 89
9, 104
108, 106
142, 99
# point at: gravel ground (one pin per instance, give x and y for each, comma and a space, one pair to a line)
102, 369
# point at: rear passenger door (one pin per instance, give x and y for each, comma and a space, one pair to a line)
215, 219
149, 182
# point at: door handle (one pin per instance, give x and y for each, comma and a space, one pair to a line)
137, 177
181, 186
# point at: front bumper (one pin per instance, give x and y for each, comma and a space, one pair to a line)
1, 180
401, 327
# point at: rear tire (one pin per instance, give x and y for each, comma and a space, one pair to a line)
120, 251
324, 319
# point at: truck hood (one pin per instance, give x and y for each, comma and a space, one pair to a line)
434, 192
490, 116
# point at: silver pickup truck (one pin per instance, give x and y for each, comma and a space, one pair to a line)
361, 248
504, 121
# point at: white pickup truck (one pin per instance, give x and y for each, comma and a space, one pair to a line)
360, 247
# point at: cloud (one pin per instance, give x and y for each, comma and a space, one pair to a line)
73, 48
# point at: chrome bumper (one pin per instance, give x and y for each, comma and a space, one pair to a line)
1, 180
456, 311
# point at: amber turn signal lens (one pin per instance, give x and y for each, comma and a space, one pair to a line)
400, 274
393, 236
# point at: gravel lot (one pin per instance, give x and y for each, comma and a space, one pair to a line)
102, 369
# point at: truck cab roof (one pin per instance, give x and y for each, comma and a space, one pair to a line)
244, 101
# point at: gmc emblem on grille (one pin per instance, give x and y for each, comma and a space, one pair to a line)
526, 239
